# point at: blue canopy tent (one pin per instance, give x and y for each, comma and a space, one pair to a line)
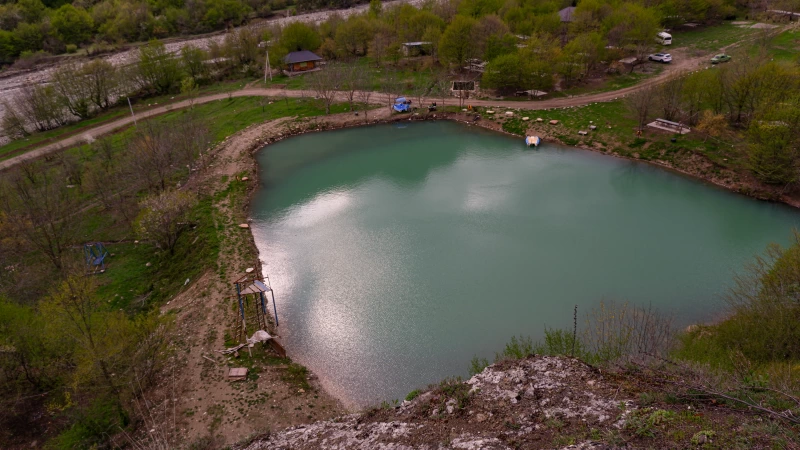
401, 105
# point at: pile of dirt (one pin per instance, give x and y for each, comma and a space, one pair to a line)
530, 402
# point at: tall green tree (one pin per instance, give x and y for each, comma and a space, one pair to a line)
354, 35
299, 36
32, 11
774, 145
221, 13
456, 45
508, 73
72, 25
158, 71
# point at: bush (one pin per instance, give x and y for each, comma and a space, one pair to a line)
72, 48
412, 395
477, 365
163, 218
102, 419
764, 312
516, 348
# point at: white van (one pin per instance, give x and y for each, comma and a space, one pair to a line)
664, 38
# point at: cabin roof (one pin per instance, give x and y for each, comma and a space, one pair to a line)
301, 56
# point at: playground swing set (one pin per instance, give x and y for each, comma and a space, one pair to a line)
95, 255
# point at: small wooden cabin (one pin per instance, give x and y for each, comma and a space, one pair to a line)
302, 61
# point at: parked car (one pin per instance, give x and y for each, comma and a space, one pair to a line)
664, 38
661, 57
722, 57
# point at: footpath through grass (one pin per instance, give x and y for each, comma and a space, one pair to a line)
22, 145
13, 148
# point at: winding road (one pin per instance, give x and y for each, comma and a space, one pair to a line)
684, 65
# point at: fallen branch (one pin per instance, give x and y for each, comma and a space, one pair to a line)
228, 351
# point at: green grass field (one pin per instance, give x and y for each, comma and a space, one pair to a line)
712, 38
616, 132
403, 77
784, 47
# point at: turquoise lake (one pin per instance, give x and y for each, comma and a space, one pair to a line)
399, 252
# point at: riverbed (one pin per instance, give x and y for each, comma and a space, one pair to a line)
400, 251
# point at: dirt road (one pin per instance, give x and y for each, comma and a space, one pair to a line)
683, 65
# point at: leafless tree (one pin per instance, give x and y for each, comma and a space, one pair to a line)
442, 85
326, 83
640, 104
72, 167
390, 88
692, 97
350, 82
669, 96
105, 81
42, 214
12, 124
104, 147
38, 106
421, 90
189, 137
364, 91
163, 218
157, 150
150, 155
73, 89
241, 47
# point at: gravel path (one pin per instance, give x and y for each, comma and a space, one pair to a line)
377, 98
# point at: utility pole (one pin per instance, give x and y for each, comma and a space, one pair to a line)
267, 68
132, 114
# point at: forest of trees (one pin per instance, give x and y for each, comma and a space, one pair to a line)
54, 26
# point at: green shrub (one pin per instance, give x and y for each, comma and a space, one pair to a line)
560, 342
477, 365
516, 348
412, 395
762, 327
93, 427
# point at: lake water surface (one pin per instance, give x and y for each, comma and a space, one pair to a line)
399, 252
